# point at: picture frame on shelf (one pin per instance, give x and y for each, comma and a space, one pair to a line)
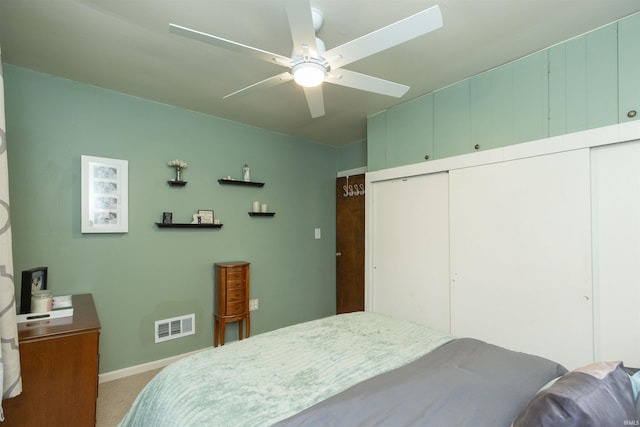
104, 195
34, 279
206, 216
167, 217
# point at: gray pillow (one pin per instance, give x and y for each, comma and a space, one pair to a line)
597, 395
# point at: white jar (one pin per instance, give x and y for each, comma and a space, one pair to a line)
41, 301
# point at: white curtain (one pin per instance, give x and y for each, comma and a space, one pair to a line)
10, 379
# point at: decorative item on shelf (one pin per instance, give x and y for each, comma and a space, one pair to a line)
260, 209
206, 216
178, 165
167, 217
246, 173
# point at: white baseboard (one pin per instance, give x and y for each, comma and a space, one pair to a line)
138, 369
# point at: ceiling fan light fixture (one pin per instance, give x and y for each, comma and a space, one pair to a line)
308, 74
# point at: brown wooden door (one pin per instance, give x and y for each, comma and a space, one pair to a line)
350, 244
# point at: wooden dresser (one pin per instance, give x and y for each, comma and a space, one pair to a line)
59, 362
231, 298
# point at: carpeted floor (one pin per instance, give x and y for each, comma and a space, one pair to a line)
115, 397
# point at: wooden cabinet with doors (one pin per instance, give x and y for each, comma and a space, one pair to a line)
231, 298
350, 193
59, 364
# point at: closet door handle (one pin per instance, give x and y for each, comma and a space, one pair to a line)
338, 253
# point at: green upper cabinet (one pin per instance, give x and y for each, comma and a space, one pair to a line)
629, 65
530, 98
377, 141
583, 82
410, 132
509, 103
451, 126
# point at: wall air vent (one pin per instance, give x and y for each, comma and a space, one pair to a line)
176, 327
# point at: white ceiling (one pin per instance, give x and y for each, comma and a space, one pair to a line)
125, 46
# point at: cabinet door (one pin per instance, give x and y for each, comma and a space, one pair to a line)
530, 98
629, 67
410, 132
377, 141
491, 109
452, 121
583, 82
509, 103
616, 229
521, 255
410, 237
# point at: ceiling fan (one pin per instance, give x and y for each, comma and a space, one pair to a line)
310, 64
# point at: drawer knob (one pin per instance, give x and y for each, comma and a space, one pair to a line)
477, 146
426, 157
631, 113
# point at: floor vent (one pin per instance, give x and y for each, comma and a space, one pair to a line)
176, 327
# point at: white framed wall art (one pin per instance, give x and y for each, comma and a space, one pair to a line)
104, 195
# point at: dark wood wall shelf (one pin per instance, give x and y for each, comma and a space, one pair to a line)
174, 183
262, 213
225, 181
179, 225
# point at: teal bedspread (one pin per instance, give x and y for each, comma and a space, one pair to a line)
268, 377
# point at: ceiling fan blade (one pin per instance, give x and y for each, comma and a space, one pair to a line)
274, 58
301, 25
270, 82
385, 38
355, 80
315, 100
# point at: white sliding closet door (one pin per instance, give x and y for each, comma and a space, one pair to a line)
616, 255
521, 255
410, 256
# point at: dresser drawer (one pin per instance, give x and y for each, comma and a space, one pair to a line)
235, 308
235, 273
235, 295
235, 284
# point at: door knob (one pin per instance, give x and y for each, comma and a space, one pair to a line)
338, 253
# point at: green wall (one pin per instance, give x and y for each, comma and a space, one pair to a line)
352, 155
150, 274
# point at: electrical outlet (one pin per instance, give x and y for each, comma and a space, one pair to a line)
253, 304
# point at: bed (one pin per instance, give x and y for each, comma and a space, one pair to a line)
366, 369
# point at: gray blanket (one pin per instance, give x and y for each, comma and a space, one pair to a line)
463, 383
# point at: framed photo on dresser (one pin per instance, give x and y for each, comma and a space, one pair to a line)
34, 279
